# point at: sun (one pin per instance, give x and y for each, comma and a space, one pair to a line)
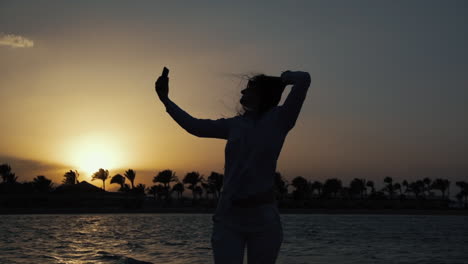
92, 159
91, 153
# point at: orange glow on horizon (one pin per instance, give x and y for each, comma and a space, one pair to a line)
92, 152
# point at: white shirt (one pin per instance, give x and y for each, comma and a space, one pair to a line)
253, 144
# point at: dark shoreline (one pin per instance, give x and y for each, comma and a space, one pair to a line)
23, 211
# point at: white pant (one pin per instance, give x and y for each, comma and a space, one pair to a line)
262, 246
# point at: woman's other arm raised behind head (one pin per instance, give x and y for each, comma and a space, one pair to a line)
292, 105
207, 128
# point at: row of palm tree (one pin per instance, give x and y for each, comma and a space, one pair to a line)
166, 183
118, 178
71, 177
163, 179
194, 181
362, 188
39, 184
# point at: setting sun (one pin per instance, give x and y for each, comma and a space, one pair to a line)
93, 152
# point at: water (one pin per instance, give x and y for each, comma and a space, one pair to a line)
185, 238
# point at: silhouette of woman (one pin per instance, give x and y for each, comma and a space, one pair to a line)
247, 214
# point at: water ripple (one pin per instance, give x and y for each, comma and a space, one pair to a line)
185, 238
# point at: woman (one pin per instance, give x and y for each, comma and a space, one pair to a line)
247, 214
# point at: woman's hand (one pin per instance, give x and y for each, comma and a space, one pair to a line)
286, 77
162, 88
292, 77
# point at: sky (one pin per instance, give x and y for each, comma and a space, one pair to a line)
388, 95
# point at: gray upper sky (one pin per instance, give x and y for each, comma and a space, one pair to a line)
388, 95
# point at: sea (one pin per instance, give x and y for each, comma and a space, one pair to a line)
185, 238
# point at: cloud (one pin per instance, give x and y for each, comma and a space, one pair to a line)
27, 169
15, 41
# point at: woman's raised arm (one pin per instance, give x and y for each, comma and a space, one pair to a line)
207, 128
198, 127
292, 105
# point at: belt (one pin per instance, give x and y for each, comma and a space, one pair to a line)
255, 200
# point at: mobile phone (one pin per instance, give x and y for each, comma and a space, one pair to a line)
165, 72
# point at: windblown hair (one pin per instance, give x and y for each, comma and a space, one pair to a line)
270, 89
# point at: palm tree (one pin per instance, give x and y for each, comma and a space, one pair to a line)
316, 185
125, 188
165, 177
192, 178
463, 191
406, 184
332, 186
358, 186
441, 185
209, 189
119, 179
389, 188
101, 174
11, 178
139, 189
157, 191
5, 171
371, 185
302, 188
130, 175
179, 189
427, 185
71, 177
7, 175
417, 188
216, 180
281, 186
42, 184
397, 186
153, 190
198, 191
